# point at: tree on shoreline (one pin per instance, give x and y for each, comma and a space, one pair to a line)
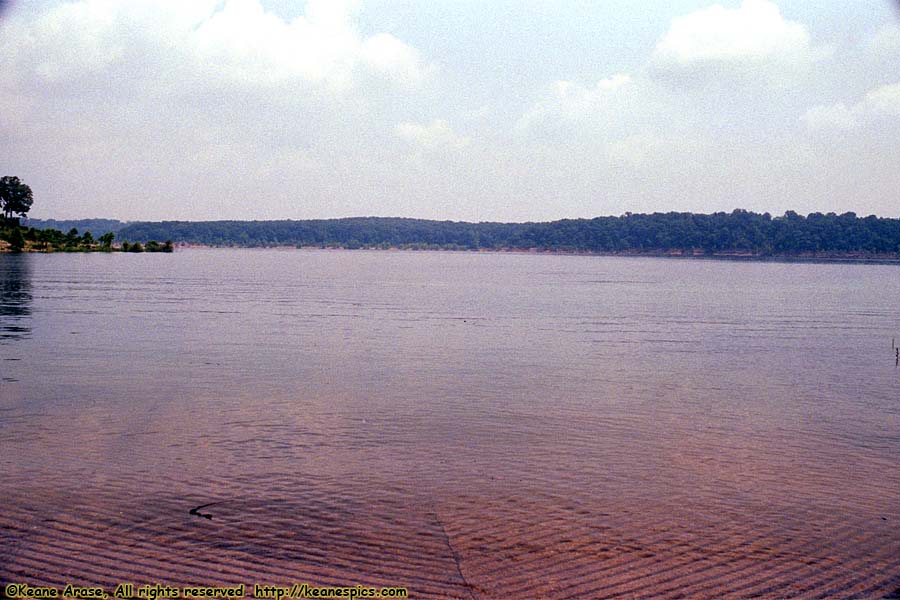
15, 197
16, 240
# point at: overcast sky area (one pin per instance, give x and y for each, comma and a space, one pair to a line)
507, 110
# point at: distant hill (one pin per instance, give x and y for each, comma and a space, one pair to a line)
97, 227
739, 232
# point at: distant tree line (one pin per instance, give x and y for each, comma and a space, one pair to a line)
737, 232
95, 227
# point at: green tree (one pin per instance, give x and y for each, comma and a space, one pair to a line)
106, 239
72, 238
15, 197
16, 240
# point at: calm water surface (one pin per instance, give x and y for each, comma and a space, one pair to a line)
464, 425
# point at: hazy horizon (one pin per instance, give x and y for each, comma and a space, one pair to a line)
338, 218
506, 111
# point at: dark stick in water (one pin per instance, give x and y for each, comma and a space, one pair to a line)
196, 511
453, 553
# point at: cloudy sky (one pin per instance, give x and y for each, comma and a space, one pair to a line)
508, 110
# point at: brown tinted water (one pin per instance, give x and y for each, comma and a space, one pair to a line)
463, 425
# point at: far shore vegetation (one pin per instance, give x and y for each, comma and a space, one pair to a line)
16, 238
739, 233
16, 199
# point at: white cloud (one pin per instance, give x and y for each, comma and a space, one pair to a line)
58, 54
882, 101
177, 93
836, 116
434, 136
321, 46
387, 55
236, 39
569, 101
753, 41
252, 45
331, 14
886, 42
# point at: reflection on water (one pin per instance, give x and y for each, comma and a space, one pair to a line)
15, 296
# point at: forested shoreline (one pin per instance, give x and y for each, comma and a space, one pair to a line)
739, 232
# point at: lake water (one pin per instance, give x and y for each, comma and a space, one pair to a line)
466, 425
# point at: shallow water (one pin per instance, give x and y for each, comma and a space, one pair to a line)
464, 425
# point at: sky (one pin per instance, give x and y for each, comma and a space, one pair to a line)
474, 110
